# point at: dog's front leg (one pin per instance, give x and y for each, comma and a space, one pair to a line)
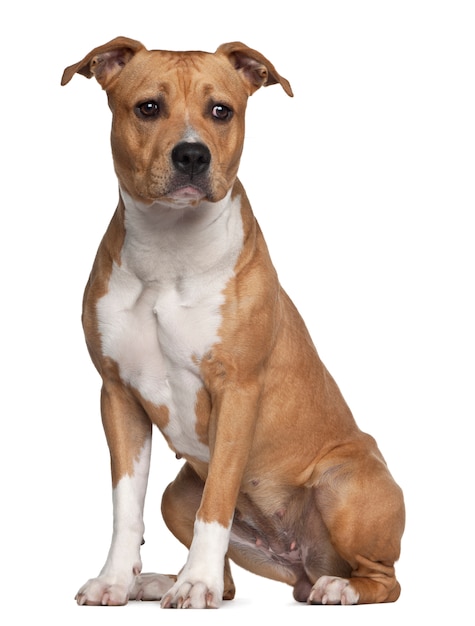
200, 583
128, 433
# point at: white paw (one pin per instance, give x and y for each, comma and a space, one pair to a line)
200, 584
104, 591
151, 586
193, 595
333, 590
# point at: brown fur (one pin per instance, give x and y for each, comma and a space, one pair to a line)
310, 493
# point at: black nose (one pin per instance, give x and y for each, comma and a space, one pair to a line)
191, 158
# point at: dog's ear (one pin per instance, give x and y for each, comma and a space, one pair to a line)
255, 68
104, 62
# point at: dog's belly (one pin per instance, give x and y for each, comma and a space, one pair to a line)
157, 335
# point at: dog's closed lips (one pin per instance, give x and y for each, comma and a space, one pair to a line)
187, 194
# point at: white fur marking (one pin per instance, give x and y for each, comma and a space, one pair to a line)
202, 575
116, 579
333, 590
162, 311
191, 136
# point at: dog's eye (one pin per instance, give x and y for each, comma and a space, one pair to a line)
221, 112
148, 109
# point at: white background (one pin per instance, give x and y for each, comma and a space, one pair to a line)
363, 184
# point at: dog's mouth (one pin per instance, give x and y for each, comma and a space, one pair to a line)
187, 195
188, 192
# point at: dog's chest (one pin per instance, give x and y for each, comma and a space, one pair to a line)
162, 312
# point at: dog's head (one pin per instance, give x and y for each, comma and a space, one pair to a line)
178, 117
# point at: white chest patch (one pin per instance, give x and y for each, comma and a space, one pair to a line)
162, 311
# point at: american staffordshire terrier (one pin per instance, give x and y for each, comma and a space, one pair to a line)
190, 330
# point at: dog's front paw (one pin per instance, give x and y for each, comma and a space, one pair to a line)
103, 591
333, 590
193, 595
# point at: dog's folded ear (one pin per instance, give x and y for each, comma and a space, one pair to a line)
104, 62
256, 69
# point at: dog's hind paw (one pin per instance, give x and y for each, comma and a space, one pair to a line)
151, 586
333, 590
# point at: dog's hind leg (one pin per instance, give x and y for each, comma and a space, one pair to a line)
363, 510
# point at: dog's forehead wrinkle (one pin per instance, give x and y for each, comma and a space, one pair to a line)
182, 76
184, 65
183, 58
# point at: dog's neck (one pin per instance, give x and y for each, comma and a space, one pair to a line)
165, 240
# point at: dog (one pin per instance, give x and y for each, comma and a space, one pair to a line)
191, 332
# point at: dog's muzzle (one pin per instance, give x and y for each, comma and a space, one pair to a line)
190, 182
